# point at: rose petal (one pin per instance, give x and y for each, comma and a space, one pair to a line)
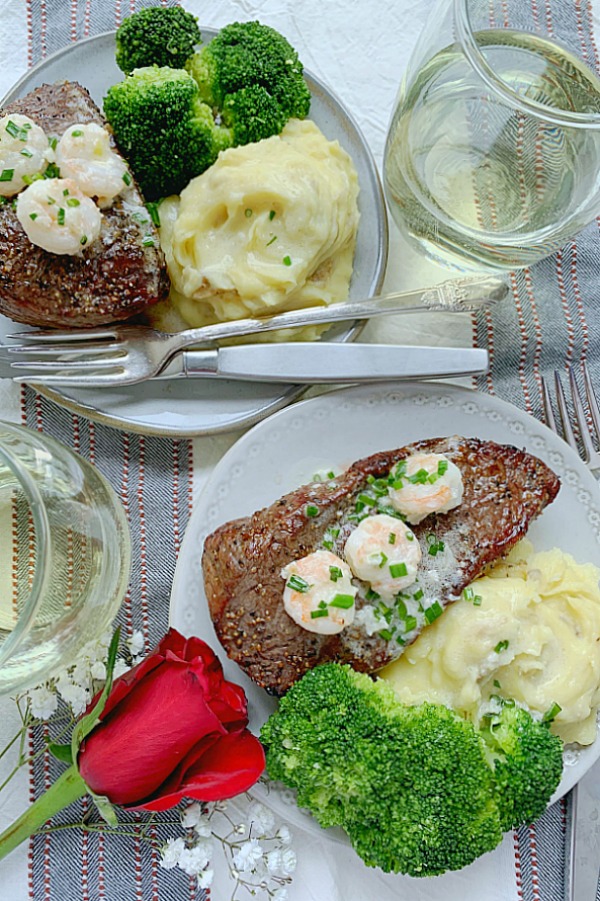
133, 751
230, 766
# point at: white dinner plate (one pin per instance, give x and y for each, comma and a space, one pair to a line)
331, 432
204, 406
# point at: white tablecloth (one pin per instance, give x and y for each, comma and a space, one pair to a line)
360, 49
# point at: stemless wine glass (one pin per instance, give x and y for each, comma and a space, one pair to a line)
64, 556
493, 153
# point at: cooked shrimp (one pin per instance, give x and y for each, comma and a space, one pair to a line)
85, 155
319, 594
57, 217
426, 483
382, 550
24, 152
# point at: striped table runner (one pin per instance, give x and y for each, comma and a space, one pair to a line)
552, 321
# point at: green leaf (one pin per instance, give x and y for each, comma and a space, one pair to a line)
90, 720
61, 752
105, 809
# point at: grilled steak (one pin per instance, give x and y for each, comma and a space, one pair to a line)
114, 278
504, 490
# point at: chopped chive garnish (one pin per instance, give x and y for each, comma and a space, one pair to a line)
52, 142
26, 153
497, 684
501, 646
410, 623
387, 634
297, 583
154, 215
127, 178
287, 261
551, 713
148, 241
372, 595
7, 174
311, 510
272, 215
247, 213
379, 559
433, 612
33, 216
60, 216
331, 474
397, 570
442, 467
73, 202
52, 171
315, 614
66, 192
12, 128
274, 238
76, 133
392, 538
335, 573
345, 601
83, 239
418, 594
367, 500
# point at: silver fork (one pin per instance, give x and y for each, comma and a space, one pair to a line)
588, 452
126, 354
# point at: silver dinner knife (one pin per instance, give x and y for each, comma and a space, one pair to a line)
583, 832
322, 362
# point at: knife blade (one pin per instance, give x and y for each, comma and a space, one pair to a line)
323, 362
583, 829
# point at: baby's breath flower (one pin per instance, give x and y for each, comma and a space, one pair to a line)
274, 861
43, 702
195, 859
205, 878
284, 835
288, 862
248, 856
136, 643
280, 895
192, 815
120, 668
171, 853
98, 670
262, 817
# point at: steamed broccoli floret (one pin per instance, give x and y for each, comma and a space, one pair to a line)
157, 36
163, 128
527, 763
414, 787
252, 76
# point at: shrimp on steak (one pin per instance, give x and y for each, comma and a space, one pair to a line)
504, 489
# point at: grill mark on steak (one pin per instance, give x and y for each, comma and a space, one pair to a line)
504, 490
114, 278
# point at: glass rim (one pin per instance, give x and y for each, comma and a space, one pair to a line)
468, 43
41, 525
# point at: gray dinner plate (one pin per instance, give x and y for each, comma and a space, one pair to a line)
201, 407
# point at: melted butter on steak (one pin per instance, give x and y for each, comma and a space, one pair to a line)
504, 490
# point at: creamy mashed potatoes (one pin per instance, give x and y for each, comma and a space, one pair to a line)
269, 227
534, 635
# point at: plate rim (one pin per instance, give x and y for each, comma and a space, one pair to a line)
289, 394
193, 533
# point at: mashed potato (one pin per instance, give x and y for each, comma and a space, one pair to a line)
534, 637
269, 227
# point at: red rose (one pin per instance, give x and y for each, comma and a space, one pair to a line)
172, 727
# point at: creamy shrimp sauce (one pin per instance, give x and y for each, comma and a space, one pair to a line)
395, 577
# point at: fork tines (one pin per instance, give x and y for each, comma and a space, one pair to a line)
581, 411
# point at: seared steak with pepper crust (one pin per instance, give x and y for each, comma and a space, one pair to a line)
114, 278
504, 490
